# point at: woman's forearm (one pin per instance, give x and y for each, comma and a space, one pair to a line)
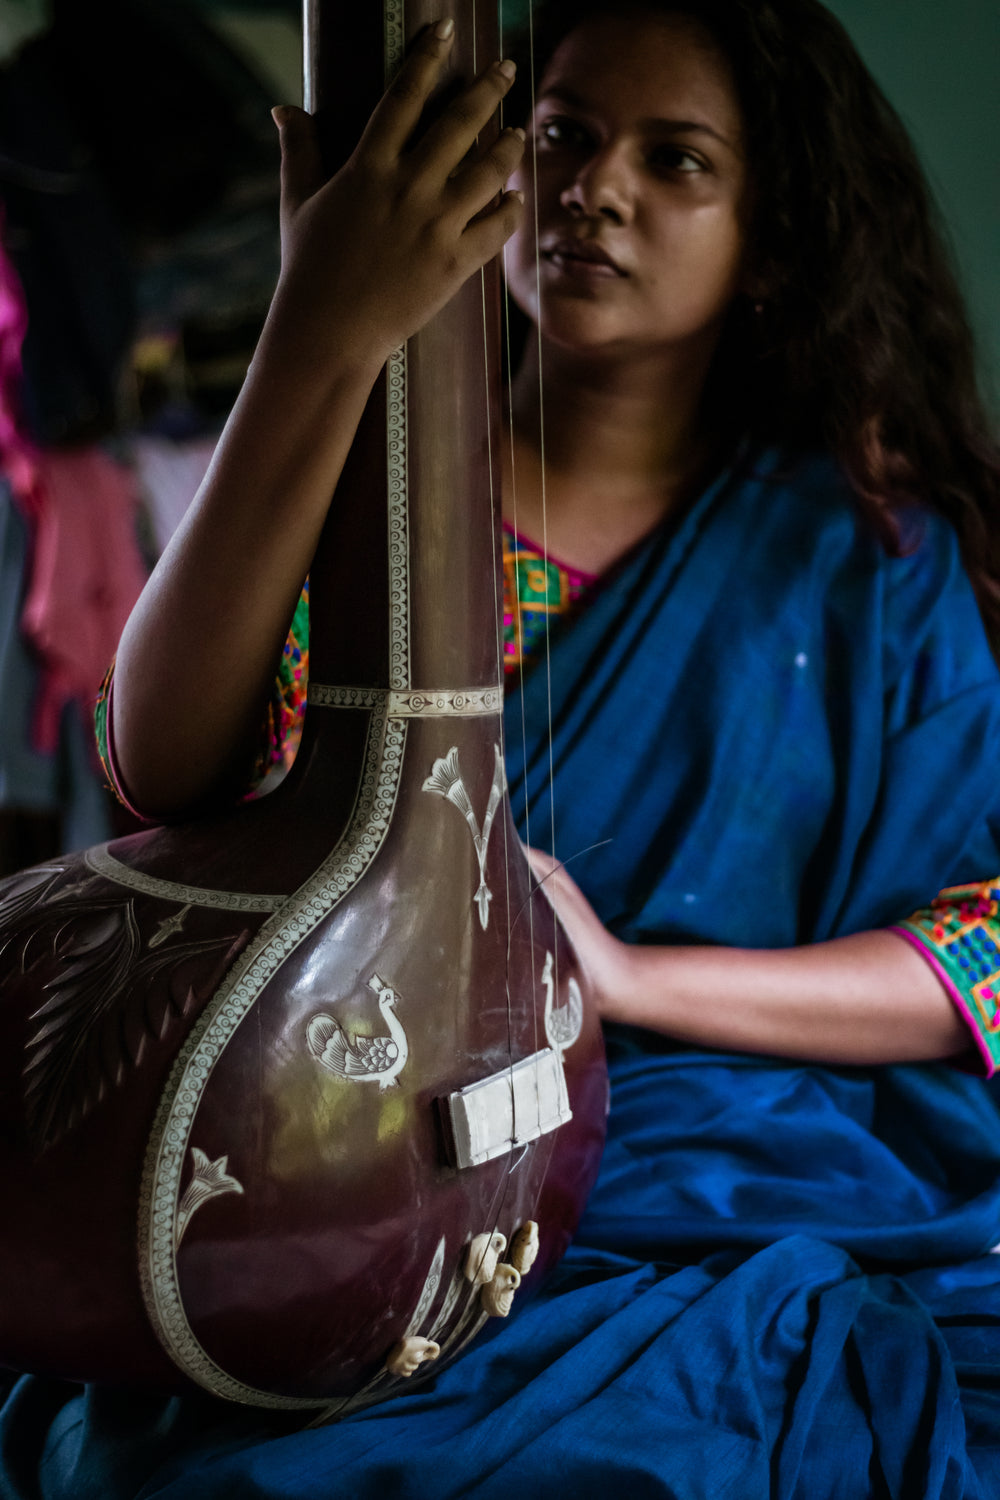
868, 998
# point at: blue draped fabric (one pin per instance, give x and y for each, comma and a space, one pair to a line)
764, 731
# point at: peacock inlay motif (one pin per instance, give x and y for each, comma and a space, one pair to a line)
357, 1057
563, 1023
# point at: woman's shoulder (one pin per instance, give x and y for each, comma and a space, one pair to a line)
909, 597
810, 494
934, 636
804, 511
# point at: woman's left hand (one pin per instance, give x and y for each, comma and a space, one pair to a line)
606, 961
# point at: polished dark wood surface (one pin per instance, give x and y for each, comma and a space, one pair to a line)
334, 1219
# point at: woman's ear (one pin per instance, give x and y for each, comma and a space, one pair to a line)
759, 283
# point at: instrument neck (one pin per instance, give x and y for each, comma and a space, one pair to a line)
406, 586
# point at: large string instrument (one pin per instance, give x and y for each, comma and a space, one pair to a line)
292, 1099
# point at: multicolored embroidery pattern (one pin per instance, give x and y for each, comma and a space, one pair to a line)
282, 727
535, 588
281, 730
959, 933
101, 728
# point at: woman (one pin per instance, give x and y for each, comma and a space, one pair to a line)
779, 701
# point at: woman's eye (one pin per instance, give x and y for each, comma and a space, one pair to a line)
675, 159
559, 131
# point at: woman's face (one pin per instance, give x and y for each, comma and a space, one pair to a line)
641, 189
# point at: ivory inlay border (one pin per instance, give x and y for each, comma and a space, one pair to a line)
398, 509
393, 16
169, 1138
106, 865
413, 703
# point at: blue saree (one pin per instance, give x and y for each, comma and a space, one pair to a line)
764, 732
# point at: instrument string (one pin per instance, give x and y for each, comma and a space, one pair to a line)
501, 676
532, 137
498, 603
501, 1194
515, 603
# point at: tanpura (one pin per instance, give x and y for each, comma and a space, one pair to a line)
280, 1087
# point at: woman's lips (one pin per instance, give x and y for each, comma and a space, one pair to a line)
583, 259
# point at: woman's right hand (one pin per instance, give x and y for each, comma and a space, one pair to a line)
367, 258
370, 255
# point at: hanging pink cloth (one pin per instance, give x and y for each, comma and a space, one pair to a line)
86, 575
85, 569
17, 453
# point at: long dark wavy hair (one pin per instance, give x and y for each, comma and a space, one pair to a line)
862, 344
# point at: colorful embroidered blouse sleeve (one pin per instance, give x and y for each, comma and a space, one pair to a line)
959, 936
102, 734
282, 727
280, 731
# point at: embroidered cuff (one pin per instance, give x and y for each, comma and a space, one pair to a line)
282, 727
280, 731
959, 936
104, 734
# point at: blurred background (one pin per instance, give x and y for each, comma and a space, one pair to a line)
138, 252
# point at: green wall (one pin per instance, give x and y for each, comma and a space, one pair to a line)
939, 63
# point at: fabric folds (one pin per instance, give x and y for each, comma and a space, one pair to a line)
764, 732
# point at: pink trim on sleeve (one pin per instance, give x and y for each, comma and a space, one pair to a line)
110, 760
955, 995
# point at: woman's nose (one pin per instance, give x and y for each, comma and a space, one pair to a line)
602, 188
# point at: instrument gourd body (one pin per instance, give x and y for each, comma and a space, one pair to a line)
280, 1089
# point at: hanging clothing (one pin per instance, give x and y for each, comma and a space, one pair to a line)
66, 241
82, 562
783, 1283
46, 763
169, 474
59, 785
86, 575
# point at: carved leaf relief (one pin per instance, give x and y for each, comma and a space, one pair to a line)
17, 897
102, 1009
